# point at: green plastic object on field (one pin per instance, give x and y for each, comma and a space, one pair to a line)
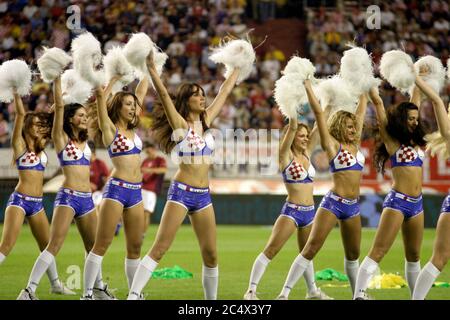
441, 284
329, 274
172, 273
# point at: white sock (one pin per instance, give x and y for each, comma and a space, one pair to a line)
412, 270
131, 266
40, 266
351, 269
365, 273
141, 277
258, 269
52, 274
99, 279
210, 281
309, 278
297, 269
2, 258
425, 281
92, 266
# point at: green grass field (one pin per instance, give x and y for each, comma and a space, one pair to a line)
237, 245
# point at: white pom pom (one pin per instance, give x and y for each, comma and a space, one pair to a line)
52, 63
397, 68
336, 93
436, 77
136, 51
448, 69
87, 59
357, 70
116, 64
290, 94
74, 88
235, 54
160, 59
301, 66
14, 74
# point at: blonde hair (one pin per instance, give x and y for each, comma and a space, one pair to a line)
437, 144
336, 126
300, 126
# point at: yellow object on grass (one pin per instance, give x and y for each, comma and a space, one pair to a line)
387, 281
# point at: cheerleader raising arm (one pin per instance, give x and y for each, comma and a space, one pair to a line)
326, 141
176, 121
17, 142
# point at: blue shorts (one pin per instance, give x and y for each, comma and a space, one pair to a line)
29, 205
128, 194
193, 199
342, 208
302, 216
80, 202
446, 205
407, 205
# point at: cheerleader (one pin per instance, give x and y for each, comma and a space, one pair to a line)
298, 211
183, 124
441, 251
122, 196
400, 141
340, 140
30, 134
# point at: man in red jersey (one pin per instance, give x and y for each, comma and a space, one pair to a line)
153, 170
99, 173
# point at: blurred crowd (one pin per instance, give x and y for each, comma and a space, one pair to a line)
186, 29
418, 27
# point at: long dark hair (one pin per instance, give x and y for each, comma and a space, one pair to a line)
69, 112
160, 124
113, 106
45, 124
397, 128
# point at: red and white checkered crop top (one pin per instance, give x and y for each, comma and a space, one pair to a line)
407, 156
123, 146
195, 145
71, 155
296, 173
29, 160
345, 160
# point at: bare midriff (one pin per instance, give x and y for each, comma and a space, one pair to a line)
77, 178
30, 182
407, 180
346, 184
127, 168
194, 174
300, 193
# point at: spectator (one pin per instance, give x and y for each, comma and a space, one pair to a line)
153, 170
4, 131
99, 173
187, 29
